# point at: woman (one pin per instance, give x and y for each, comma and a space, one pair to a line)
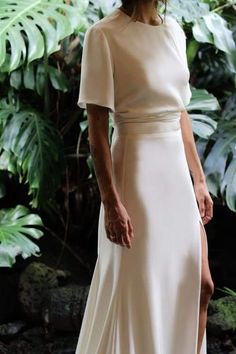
151, 284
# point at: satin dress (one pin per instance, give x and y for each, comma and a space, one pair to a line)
144, 300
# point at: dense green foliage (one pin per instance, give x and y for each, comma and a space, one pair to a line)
40, 51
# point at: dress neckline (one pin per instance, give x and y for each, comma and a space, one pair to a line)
140, 23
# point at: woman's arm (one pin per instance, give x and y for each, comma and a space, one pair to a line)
203, 197
117, 221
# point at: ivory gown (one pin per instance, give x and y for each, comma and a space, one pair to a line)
144, 300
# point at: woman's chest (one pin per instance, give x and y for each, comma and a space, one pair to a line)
149, 61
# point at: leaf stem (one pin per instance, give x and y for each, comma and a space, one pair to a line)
219, 8
46, 89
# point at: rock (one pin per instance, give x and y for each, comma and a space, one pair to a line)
222, 345
20, 347
9, 304
11, 329
34, 282
222, 316
214, 346
3, 349
63, 307
35, 336
62, 345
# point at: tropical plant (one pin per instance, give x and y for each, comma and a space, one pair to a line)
31, 145
40, 51
16, 224
211, 51
225, 308
30, 148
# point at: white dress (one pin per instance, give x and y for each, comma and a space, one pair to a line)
144, 300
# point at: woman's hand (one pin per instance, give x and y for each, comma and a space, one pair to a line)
118, 224
205, 203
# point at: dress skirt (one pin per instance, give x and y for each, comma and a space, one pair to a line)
146, 299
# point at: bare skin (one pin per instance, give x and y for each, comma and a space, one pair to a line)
148, 15
205, 205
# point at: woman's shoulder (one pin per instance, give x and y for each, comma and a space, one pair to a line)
108, 24
175, 24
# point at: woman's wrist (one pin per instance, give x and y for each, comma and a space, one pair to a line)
198, 178
110, 198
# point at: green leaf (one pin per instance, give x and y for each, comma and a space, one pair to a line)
203, 100
25, 23
58, 79
83, 125
16, 79
8, 162
189, 10
81, 5
40, 79
34, 76
229, 184
35, 40
34, 148
203, 125
28, 77
201, 32
223, 37
16, 225
219, 175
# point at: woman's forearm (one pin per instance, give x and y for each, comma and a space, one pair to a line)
101, 154
192, 156
117, 222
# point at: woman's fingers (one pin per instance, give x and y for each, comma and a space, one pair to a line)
118, 226
125, 236
126, 241
202, 207
130, 228
208, 209
122, 234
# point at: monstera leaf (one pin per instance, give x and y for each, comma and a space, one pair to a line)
16, 225
29, 27
33, 77
208, 25
212, 28
201, 100
32, 148
220, 164
187, 10
106, 6
203, 126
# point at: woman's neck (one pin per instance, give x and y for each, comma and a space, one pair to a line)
148, 13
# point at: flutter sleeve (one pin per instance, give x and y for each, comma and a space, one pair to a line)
96, 79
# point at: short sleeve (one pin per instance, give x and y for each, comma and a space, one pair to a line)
187, 92
182, 38
96, 79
